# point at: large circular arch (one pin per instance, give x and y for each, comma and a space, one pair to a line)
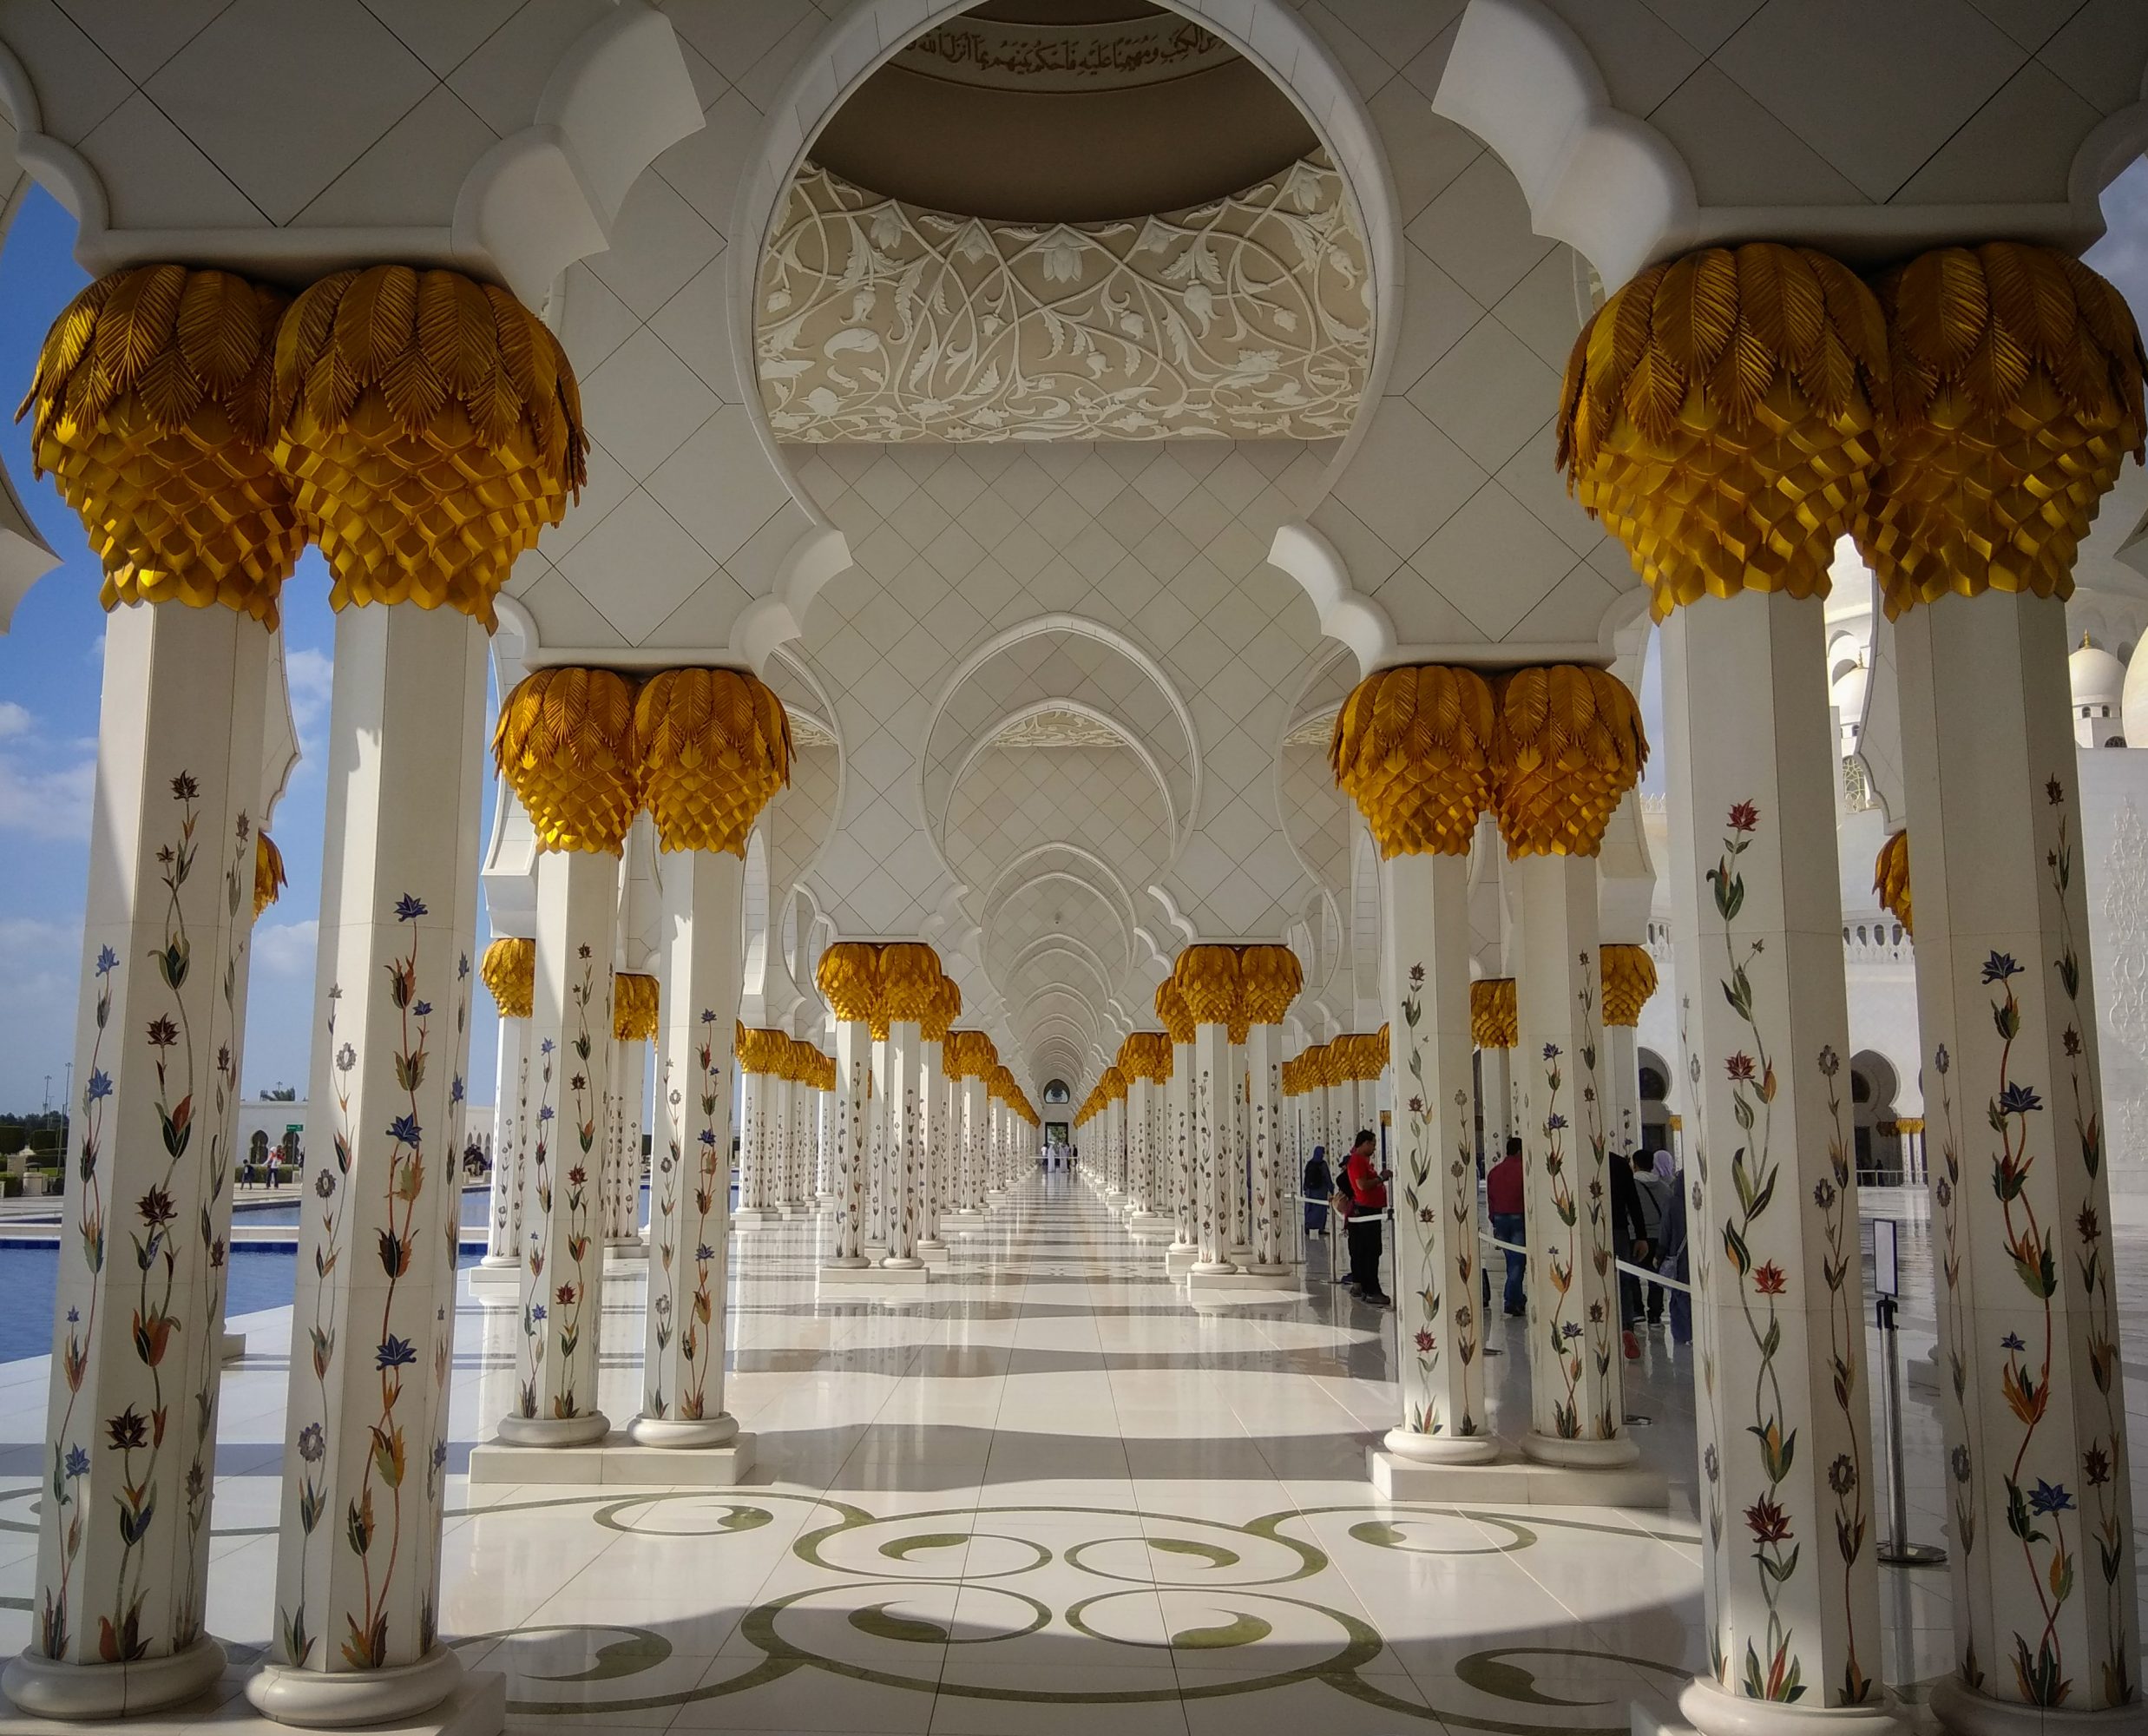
1268, 33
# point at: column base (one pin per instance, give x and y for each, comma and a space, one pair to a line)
748, 1217
618, 1458
1962, 1711
231, 1346
1179, 1261
636, 1249
1151, 1223
45, 1687
874, 1274
552, 1434
909, 1262
1712, 1710
1515, 1482
1441, 1449
1261, 1283
486, 1282
497, 1262
344, 1699
961, 1222
1210, 1268
1552, 1449
677, 1434
875, 1252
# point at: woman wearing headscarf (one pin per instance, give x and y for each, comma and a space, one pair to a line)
1318, 1186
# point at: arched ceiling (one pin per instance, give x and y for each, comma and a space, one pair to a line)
1063, 111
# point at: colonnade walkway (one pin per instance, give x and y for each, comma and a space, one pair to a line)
1043, 1493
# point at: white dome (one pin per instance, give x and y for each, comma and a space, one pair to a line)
2097, 677
2133, 705
1847, 689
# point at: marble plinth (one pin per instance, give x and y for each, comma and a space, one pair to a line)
478, 1706
870, 1275
616, 1459
752, 1217
1264, 1282
1514, 1481
1178, 1262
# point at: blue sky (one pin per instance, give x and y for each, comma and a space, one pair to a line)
50, 667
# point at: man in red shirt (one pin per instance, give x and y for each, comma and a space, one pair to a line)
1503, 1200
1366, 1185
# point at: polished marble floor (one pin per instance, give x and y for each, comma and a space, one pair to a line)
1041, 1493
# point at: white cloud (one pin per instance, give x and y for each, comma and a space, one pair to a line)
287, 949
45, 791
309, 676
14, 719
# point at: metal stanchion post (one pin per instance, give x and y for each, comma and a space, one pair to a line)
1895, 1549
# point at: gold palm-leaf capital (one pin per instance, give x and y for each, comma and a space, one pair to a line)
565, 745
1722, 415
509, 970
1270, 978
1495, 1013
715, 748
633, 1007
2016, 394
269, 879
847, 977
1569, 745
1209, 982
430, 426
1627, 975
1891, 879
1412, 747
152, 400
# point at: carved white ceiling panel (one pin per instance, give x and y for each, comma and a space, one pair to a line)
1247, 318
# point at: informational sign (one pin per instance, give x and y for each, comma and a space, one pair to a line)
1886, 1260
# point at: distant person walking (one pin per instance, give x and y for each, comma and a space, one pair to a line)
1503, 1200
1366, 1187
1318, 1184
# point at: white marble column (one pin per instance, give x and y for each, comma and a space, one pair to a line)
853, 1059
878, 1194
357, 1578
1179, 1152
933, 1164
682, 1357
1788, 1479
976, 1135
753, 1133
1264, 1061
623, 1231
1576, 1365
123, 1518
1425, 907
557, 1353
905, 1155
1209, 1098
503, 1213
2032, 1390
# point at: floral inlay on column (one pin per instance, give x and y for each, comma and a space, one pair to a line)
151, 411
1721, 415
1993, 478
715, 748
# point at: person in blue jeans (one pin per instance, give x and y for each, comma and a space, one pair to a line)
1673, 1261
1502, 1201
